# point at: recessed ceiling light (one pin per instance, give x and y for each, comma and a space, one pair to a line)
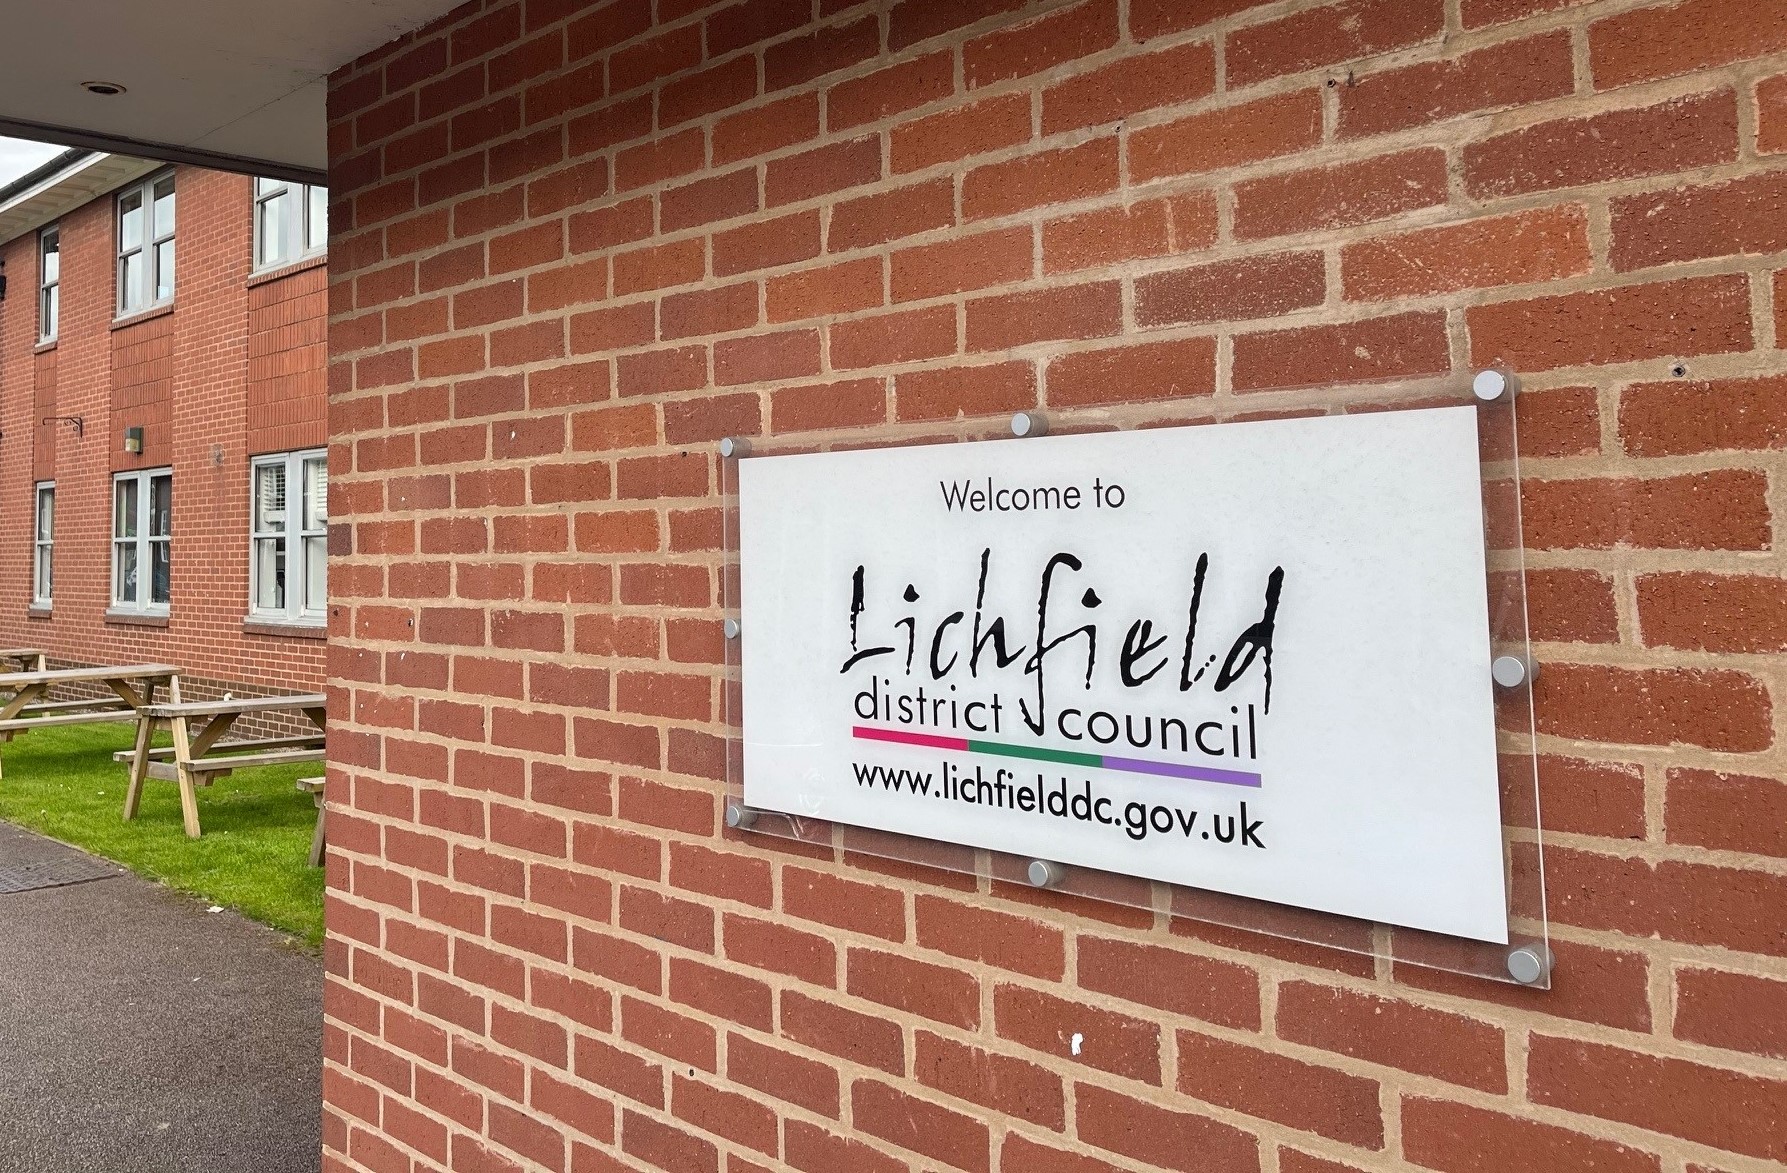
104, 89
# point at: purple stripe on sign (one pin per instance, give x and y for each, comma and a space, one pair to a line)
1173, 770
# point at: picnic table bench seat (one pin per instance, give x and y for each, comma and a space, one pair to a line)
199, 753
25, 702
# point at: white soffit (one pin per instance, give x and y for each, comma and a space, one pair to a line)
210, 81
66, 190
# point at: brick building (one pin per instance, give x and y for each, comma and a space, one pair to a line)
163, 382
577, 243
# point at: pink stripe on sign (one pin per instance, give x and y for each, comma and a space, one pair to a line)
901, 737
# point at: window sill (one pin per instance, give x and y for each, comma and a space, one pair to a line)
292, 630
34, 611
44, 346
153, 312
289, 269
136, 618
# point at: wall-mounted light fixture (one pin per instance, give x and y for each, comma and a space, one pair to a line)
133, 441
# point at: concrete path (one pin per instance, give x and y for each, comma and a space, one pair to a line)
141, 1034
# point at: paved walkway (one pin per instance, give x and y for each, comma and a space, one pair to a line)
141, 1034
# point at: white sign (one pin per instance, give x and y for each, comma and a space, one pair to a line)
1252, 658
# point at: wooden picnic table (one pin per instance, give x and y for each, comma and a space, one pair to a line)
199, 755
27, 659
30, 707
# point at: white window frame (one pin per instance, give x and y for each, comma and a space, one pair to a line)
298, 217
140, 296
142, 543
49, 288
299, 544
43, 545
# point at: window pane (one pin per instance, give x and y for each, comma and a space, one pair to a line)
161, 506
52, 310
52, 258
164, 208
44, 583
272, 230
124, 573
316, 562
124, 513
46, 514
159, 554
316, 494
269, 498
263, 186
269, 574
317, 233
164, 270
130, 222
130, 281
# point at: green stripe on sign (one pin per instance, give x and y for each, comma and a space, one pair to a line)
1036, 753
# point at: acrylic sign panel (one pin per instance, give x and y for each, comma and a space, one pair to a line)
1252, 658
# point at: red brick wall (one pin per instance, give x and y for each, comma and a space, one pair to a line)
184, 377
577, 243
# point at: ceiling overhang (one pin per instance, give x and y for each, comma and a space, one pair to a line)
235, 84
66, 188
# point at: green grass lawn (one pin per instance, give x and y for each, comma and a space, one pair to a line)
63, 783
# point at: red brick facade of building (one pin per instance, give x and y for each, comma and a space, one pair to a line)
577, 243
235, 367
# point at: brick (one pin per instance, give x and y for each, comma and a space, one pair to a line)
1019, 50
822, 170
1546, 244
763, 129
1571, 606
1150, 228
1109, 1041
944, 994
1673, 39
954, 1138
1701, 808
889, 215
666, 1146
890, 90
1400, 346
1677, 135
1189, 1142
1684, 418
1673, 1096
960, 132
1700, 511
1718, 709
1458, 1138
1395, 1034
1227, 137
1735, 1011
1713, 612
884, 339
1137, 373
1688, 223
1010, 320
871, 1040
1771, 115
766, 244
966, 262
1049, 177
727, 1114
819, 1150
1512, 73
1255, 287
836, 289
1701, 315
949, 392
1009, 1086
1328, 35
1214, 991
1695, 903
1340, 196
844, 903
1136, 83
766, 358
809, 1083
824, 50
851, 403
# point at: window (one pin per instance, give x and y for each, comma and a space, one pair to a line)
291, 222
49, 282
289, 535
42, 575
146, 245
142, 517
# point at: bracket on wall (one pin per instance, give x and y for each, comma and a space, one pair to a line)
80, 425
